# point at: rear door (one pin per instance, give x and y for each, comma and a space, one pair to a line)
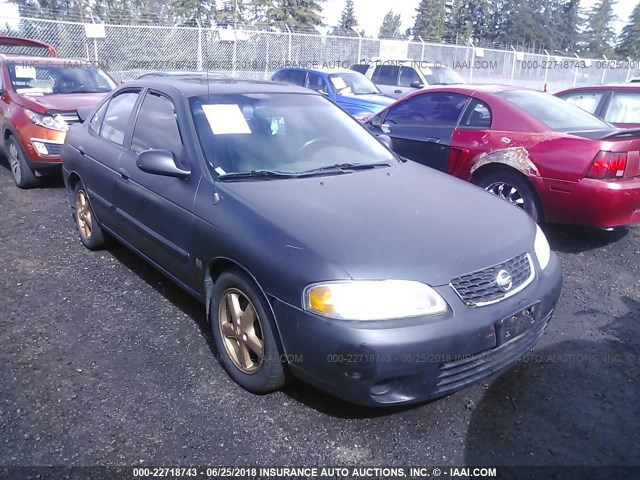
155, 209
421, 127
386, 78
101, 149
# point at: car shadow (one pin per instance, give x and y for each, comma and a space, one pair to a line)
298, 391
49, 181
576, 239
572, 403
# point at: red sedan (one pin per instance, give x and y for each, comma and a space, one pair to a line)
542, 154
617, 104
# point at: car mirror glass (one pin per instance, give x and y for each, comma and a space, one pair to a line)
417, 84
376, 121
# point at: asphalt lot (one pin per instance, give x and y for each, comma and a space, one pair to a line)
104, 361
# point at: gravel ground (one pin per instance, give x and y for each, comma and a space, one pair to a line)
105, 362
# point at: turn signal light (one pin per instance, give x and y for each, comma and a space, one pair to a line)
608, 165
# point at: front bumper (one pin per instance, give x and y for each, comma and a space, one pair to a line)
412, 360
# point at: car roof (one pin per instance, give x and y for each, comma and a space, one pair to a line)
192, 86
470, 88
325, 70
611, 86
32, 59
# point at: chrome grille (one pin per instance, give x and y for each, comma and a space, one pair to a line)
70, 117
481, 287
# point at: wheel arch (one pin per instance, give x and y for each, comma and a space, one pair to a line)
219, 265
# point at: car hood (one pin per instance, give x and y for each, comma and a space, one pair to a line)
60, 102
375, 101
404, 222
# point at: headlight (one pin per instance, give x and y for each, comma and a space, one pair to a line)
373, 299
54, 122
541, 247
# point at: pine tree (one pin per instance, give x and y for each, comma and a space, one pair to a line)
302, 14
190, 12
599, 36
568, 25
470, 20
429, 23
629, 45
231, 13
348, 21
390, 27
261, 12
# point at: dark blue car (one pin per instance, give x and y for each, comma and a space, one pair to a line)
351, 90
315, 250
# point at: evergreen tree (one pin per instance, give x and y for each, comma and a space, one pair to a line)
629, 45
599, 36
231, 13
303, 14
470, 20
190, 12
348, 21
568, 25
429, 23
262, 12
390, 27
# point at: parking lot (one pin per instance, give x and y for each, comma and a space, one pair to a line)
104, 361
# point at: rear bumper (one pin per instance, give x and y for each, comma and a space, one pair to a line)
599, 203
413, 360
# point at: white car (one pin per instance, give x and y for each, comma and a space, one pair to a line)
400, 78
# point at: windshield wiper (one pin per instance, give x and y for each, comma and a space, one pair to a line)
256, 174
344, 167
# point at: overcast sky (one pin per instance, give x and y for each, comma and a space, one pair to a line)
370, 13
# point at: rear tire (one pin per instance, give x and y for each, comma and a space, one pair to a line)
90, 232
242, 327
22, 173
515, 189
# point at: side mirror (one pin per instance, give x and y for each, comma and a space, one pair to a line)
376, 121
84, 113
386, 141
160, 162
417, 84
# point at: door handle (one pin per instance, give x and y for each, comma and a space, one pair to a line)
81, 150
397, 91
123, 173
433, 140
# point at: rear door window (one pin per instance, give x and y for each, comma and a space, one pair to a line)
624, 107
386, 75
586, 100
117, 116
316, 82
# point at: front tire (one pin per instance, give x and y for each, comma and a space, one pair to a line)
515, 189
242, 327
22, 173
90, 232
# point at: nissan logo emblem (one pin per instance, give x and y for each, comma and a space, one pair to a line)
504, 280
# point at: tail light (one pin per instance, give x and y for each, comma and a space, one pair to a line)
608, 165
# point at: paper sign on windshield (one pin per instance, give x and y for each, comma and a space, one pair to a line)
226, 119
339, 83
23, 71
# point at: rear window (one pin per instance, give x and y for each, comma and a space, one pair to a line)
554, 112
586, 100
624, 107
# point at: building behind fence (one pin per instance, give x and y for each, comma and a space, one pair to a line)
128, 50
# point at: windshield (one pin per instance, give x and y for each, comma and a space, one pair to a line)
47, 78
554, 112
442, 76
352, 84
285, 133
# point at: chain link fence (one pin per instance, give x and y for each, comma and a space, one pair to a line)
126, 51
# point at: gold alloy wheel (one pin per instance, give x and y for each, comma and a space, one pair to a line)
83, 214
241, 331
14, 163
